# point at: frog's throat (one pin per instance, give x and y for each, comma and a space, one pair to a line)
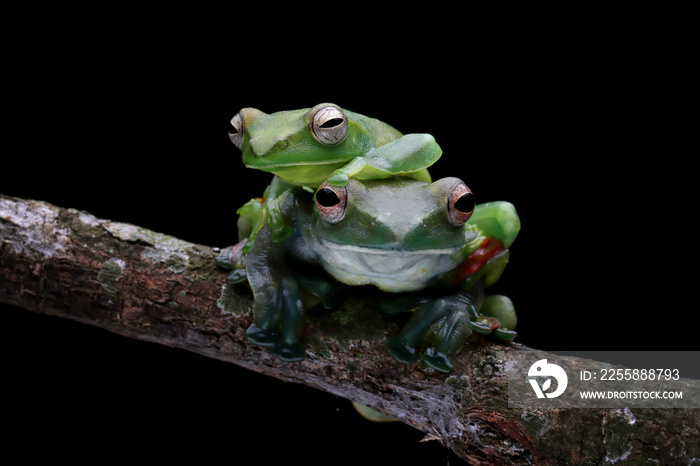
392, 270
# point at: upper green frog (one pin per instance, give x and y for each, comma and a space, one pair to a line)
408, 238
325, 143
310, 146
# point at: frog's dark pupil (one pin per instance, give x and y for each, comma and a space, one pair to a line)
232, 129
327, 198
332, 123
465, 203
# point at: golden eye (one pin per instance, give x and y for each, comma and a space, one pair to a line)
235, 130
330, 125
460, 206
331, 202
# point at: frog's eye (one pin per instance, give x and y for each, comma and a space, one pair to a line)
329, 125
331, 202
460, 205
235, 130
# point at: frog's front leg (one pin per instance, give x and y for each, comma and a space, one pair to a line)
410, 155
265, 211
279, 311
280, 229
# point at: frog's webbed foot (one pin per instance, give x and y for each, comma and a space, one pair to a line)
441, 319
445, 324
448, 338
280, 312
278, 320
283, 290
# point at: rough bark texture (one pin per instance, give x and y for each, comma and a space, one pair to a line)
157, 288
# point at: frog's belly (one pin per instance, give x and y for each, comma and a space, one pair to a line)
393, 271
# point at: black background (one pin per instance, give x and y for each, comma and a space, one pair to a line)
129, 122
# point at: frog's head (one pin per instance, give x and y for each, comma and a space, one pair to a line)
305, 146
398, 234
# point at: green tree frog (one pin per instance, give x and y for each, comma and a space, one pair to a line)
409, 238
325, 143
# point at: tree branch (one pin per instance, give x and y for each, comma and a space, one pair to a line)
154, 287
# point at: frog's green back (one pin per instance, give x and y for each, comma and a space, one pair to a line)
378, 132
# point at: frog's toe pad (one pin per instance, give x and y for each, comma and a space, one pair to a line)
438, 361
479, 327
289, 352
238, 276
505, 334
400, 350
261, 337
224, 259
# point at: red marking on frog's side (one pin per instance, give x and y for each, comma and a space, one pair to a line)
487, 251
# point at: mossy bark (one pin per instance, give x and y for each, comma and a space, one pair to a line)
158, 288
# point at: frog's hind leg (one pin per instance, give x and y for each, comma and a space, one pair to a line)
403, 346
448, 338
449, 335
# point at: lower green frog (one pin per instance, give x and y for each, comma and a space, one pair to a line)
409, 238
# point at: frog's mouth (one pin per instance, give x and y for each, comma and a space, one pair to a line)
395, 270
